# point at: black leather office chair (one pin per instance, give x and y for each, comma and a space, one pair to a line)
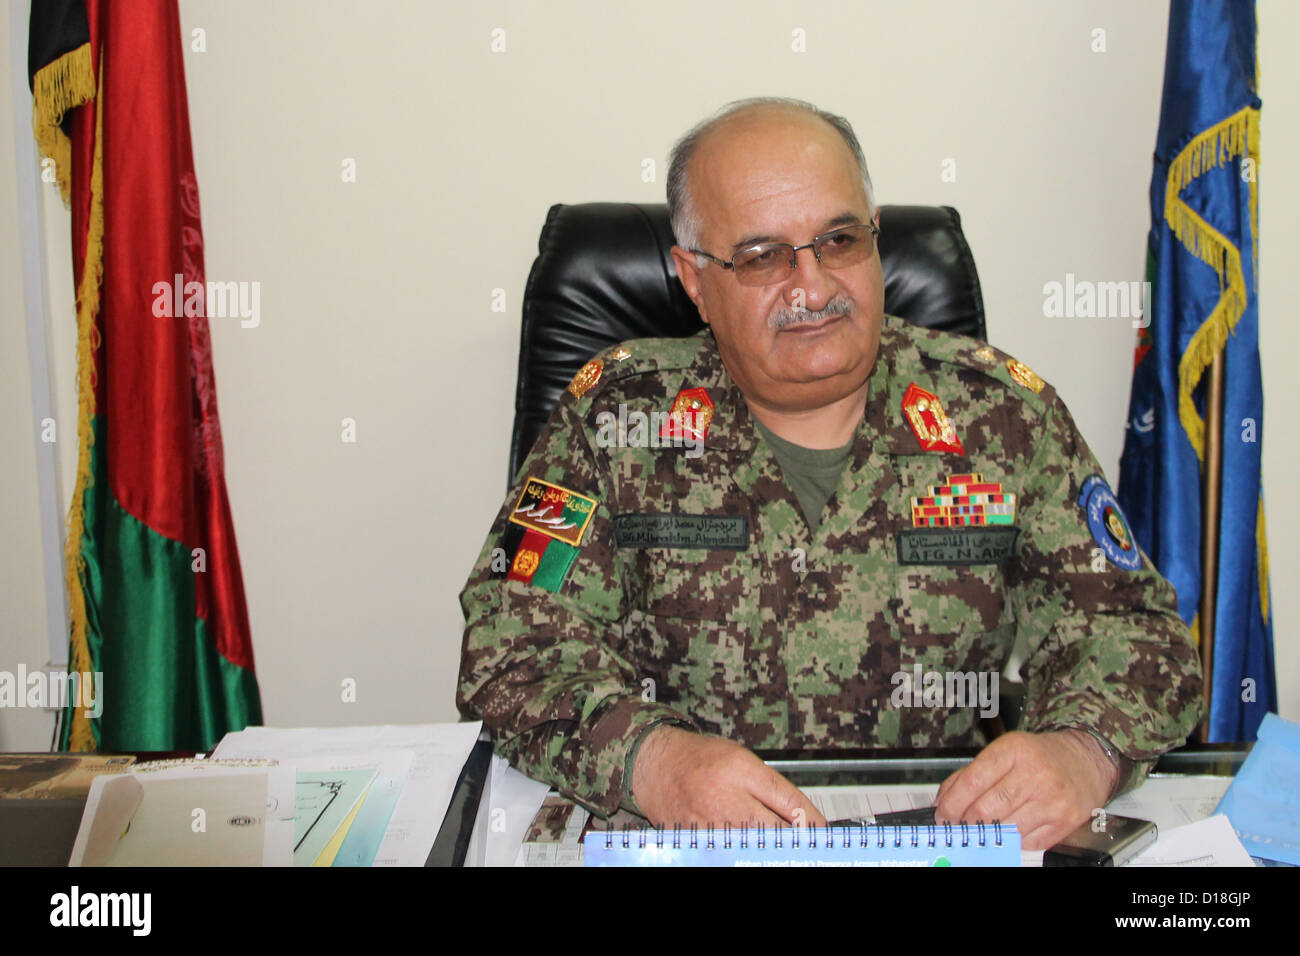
603, 275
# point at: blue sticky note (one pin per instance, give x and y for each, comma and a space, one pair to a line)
322, 801
367, 833
1263, 802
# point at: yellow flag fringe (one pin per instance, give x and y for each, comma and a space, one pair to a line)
58, 87
63, 85
1236, 136
1261, 542
82, 735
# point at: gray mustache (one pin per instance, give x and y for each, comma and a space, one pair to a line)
836, 306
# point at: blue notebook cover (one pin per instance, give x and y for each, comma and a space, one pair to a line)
971, 844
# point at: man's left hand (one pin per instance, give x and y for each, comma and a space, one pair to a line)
1047, 784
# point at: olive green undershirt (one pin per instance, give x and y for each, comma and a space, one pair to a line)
813, 473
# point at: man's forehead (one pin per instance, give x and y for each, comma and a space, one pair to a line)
771, 133
755, 170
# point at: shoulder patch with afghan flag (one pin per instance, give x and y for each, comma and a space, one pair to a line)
1107, 523
544, 533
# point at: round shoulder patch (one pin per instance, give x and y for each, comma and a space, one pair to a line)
1108, 525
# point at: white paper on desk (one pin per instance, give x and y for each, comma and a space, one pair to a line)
1209, 842
865, 803
440, 752
515, 800
1172, 801
246, 819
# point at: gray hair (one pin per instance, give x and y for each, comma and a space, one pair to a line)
681, 208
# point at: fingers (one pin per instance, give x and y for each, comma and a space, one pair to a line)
786, 800
712, 781
1041, 838
946, 786
978, 781
763, 816
1038, 788
812, 817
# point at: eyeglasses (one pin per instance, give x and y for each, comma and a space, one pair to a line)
771, 262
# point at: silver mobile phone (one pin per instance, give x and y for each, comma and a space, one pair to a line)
1106, 840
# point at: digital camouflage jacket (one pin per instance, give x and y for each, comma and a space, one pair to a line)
634, 577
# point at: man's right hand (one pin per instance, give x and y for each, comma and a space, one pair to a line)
682, 777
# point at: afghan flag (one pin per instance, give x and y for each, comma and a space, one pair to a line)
156, 598
1203, 266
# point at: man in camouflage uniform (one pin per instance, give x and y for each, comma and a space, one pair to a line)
840, 505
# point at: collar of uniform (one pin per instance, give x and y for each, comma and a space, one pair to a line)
883, 427
731, 428
898, 365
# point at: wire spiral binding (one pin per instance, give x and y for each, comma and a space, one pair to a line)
933, 832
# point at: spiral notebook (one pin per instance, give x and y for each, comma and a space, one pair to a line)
965, 844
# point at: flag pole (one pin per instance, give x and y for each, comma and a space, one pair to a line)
1211, 494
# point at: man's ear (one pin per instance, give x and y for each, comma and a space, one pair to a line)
689, 275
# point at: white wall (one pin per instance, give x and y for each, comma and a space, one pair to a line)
1279, 35
376, 295
23, 620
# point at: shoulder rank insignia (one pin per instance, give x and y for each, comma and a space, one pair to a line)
587, 376
934, 429
690, 417
966, 500
985, 354
544, 532
1106, 521
1024, 375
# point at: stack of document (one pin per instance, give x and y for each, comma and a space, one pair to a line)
354, 796
189, 813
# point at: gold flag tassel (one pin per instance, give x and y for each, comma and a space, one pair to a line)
58, 87
67, 83
82, 735
1261, 542
1233, 137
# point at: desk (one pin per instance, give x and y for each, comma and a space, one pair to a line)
41, 832
872, 768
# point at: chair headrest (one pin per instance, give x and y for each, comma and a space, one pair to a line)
603, 274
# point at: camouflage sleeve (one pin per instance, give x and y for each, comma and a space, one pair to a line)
1109, 652
544, 669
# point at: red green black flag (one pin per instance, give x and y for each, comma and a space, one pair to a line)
156, 597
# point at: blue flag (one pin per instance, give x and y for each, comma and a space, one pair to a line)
1202, 263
